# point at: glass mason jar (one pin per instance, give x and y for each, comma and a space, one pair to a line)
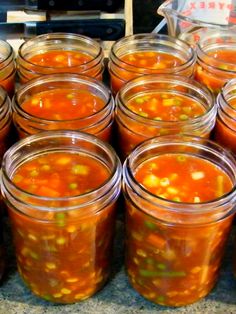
58, 53
225, 128
216, 59
7, 67
5, 122
153, 105
139, 54
62, 217
174, 248
63, 101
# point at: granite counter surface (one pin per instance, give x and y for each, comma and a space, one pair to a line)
117, 297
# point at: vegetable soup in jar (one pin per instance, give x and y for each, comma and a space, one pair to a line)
139, 54
180, 202
59, 53
154, 105
216, 59
64, 101
225, 128
6, 134
62, 216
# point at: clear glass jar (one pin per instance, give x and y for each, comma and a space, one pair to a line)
7, 67
63, 243
5, 122
155, 48
63, 101
163, 93
174, 249
225, 128
216, 59
58, 53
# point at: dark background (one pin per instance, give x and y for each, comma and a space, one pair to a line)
145, 17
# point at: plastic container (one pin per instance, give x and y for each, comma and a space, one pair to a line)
64, 101
62, 217
175, 241
225, 128
216, 59
6, 135
58, 53
139, 54
154, 105
7, 67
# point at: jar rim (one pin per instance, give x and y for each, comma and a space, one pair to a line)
53, 36
203, 48
150, 37
187, 141
172, 79
60, 77
9, 54
111, 183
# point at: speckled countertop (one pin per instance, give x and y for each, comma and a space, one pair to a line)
117, 297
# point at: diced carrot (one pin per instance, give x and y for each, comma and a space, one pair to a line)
156, 241
46, 191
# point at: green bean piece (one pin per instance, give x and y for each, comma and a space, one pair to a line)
149, 225
161, 266
167, 274
161, 298
60, 219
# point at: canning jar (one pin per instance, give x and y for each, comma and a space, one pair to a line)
225, 128
6, 135
180, 199
62, 216
139, 54
58, 53
63, 101
153, 105
216, 59
7, 67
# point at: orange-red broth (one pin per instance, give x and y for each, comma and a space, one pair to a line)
143, 62
173, 264
158, 107
62, 256
218, 71
68, 107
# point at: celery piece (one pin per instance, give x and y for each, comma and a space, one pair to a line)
73, 186
34, 173
183, 117
181, 158
60, 219
143, 114
47, 297
139, 100
34, 255
223, 66
149, 225
161, 266
80, 169
168, 102
187, 110
69, 96
164, 274
161, 298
